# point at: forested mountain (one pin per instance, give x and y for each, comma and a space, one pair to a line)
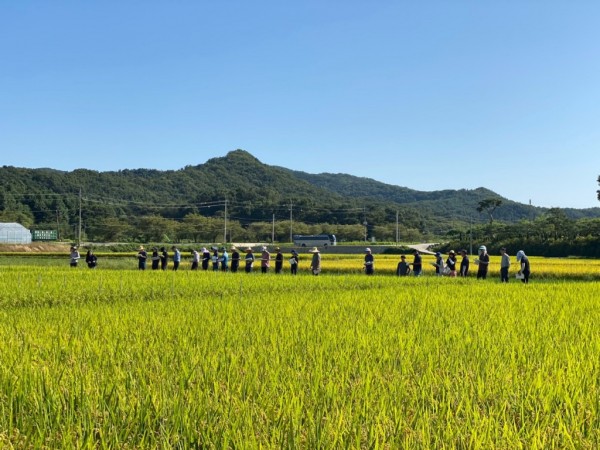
253, 192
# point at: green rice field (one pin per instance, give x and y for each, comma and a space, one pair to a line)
126, 359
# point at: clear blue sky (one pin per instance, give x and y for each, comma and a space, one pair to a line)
429, 95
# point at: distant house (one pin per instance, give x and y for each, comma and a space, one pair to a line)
14, 233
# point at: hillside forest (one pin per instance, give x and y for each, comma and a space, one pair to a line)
236, 198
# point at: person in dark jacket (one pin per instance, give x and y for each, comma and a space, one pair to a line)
235, 259
483, 262
155, 258
369, 262
249, 260
294, 262
91, 259
205, 258
142, 256
417, 264
451, 263
164, 258
403, 268
278, 260
464, 264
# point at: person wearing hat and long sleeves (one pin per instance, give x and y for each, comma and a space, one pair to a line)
75, 256
439, 264
369, 262
249, 260
315, 264
215, 259
142, 256
525, 270
235, 259
294, 262
484, 262
205, 258
451, 263
265, 260
278, 260
224, 260
155, 258
176, 258
504, 265
417, 264
195, 259
164, 258
464, 263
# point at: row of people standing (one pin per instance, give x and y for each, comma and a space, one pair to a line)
449, 266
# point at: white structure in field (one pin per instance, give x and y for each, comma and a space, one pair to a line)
14, 233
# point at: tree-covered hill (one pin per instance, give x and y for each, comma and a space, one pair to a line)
253, 192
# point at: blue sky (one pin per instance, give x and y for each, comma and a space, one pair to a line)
429, 95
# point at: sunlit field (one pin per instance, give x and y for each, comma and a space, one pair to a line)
541, 268
127, 359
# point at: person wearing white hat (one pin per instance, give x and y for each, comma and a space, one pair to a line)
369, 269
483, 262
525, 269
249, 260
74, 256
315, 264
265, 260
205, 258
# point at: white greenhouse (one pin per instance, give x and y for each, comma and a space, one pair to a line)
14, 233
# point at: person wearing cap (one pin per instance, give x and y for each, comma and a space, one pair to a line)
525, 269
235, 259
195, 259
464, 263
369, 260
249, 260
205, 258
451, 264
403, 268
142, 256
164, 258
417, 264
439, 264
483, 261
224, 260
315, 264
278, 260
265, 260
155, 258
75, 256
294, 262
504, 265
176, 258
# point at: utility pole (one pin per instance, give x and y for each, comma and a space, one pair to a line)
291, 228
273, 233
57, 226
397, 234
225, 230
79, 234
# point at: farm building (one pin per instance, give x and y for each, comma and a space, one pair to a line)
14, 233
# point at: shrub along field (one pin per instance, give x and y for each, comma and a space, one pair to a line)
129, 359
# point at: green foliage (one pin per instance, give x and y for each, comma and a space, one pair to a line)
188, 204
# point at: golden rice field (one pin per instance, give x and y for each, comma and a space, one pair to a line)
130, 359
